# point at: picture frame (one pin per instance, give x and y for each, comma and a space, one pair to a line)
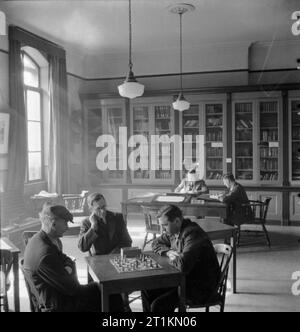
4, 130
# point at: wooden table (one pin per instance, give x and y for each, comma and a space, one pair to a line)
112, 282
5, 243
217, 231
205, 207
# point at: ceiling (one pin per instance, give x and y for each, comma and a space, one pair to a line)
101, 26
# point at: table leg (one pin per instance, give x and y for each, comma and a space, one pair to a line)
181, 294
104, 300
233, 269
89, 277
124, 213
16, 282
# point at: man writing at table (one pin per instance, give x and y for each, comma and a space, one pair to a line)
190, 250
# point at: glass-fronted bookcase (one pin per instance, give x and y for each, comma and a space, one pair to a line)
256, 141
104, 117
205, 123
153, 162
295, 139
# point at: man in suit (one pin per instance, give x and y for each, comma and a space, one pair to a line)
189, 249
192, 185
54, 274
103, 232
237, 200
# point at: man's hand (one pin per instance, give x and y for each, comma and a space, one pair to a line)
93, 221
172, 255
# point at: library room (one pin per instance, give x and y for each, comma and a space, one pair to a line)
150, 157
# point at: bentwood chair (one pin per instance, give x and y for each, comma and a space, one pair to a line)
151, 223
218, 296
258, 217
6, 264
36, 305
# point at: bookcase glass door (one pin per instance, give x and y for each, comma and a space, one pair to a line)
296, 140
163, 126
141, 126
269, 141
214, 141
94, 130
190, 130
114, 122
244, 141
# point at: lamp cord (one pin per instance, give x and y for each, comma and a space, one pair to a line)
130, 37
180, 18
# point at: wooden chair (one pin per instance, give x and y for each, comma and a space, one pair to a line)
76, 203
36, 305
6, 261
259, 215
151, 223
218, 297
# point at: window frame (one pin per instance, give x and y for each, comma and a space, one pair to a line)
40, 91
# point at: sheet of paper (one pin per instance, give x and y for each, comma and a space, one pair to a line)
172, 199
4, 246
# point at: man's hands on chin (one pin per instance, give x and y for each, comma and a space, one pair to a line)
172, 255
93, 221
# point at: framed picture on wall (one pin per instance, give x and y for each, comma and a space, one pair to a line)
4, 129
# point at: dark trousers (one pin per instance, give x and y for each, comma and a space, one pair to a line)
160, 300
90, 300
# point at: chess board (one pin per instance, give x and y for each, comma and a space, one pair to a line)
141, 263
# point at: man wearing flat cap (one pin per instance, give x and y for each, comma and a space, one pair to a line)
54, 274
103, 232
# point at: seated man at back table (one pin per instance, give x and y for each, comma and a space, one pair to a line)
235, 197
190, 250
54, 274
103, 232
192, 185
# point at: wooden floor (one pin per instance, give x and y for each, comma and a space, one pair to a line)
264, 275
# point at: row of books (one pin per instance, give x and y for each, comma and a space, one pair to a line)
269, 106
269, 176
214, 175
215, 108
214, 136
214, 164
269, 164
269, 152
269, 135
214, 152
162, 112
244, 163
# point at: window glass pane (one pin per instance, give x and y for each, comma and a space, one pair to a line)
34, 136
33, 106
34, 166
31, 72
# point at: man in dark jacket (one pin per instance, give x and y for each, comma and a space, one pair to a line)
54, 274
237, 200
189, 249
103, 232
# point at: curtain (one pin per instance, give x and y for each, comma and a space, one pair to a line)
59, 142
17, 157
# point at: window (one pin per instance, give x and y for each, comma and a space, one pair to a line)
34, 114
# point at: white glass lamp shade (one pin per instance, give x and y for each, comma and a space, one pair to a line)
131, 88
181, 104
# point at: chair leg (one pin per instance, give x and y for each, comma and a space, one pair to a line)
5, 301
267, 235
222, 307
145, 241
207, 309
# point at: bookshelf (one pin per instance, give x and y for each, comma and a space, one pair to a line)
103, 118
269, 141
295, 139
244, 135
152, 118
214, 124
